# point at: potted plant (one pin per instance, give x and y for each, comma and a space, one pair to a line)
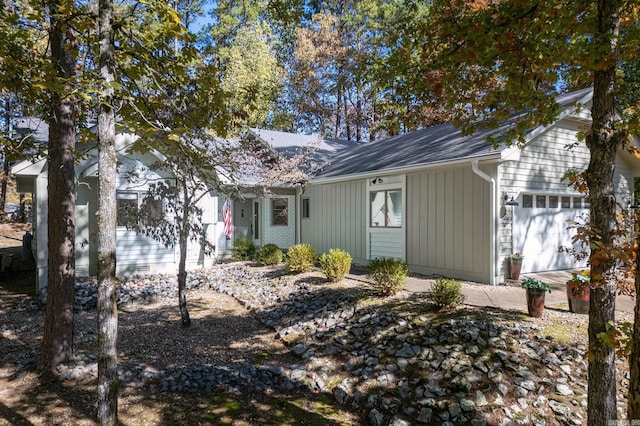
515, 264
578, 291
536, 291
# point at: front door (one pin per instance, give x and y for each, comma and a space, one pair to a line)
243, 219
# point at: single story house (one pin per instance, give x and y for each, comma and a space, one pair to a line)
454, 206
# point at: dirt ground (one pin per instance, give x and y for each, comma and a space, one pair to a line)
223, 333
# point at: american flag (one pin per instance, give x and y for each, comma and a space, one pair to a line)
226, 217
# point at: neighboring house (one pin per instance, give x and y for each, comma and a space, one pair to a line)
441, 201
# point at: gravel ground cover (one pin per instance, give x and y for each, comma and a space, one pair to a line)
262, 340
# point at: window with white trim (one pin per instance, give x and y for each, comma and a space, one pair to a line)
386, 209
279, 212
129, 203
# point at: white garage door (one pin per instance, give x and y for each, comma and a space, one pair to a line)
541, 230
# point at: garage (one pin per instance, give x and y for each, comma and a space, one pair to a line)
542, 230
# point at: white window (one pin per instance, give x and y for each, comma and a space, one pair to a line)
305, 208
386, 209
129, 204
127, 208
279, 212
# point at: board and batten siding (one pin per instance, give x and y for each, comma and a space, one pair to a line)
337, 218
448, 223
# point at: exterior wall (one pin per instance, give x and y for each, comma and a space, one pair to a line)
41, 197
280, 235
338, 218
448, 223
86, 227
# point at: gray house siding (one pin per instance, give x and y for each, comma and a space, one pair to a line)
543, 231
448, 222
337, 218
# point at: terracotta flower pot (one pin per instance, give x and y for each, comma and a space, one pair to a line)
535, 302
578, 296
514, 268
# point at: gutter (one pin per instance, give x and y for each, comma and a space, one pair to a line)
401, 169
492, 224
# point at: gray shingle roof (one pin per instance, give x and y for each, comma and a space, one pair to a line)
437, 144
290, 144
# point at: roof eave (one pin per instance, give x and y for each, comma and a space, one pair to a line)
497, 156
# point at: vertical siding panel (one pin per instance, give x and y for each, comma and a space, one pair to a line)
468, 240
448, 217
427, 234
415, 234
433, 220
458, 219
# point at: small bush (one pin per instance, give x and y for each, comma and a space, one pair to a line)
300, 258
388, 274
336, 264
269, 254
243, 249
446, 293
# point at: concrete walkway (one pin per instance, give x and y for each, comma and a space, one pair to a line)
513, 296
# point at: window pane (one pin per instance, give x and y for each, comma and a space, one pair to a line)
577, 202
127, 208
541, 201
155, 209
527, 201
305, 208
566, 202
378, 209
394, 208
280, 214
553, 201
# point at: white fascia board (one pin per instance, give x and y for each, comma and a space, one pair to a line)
563, 114
28, 168
410, 169
511, 153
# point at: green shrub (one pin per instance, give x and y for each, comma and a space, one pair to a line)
243, 249
269, 254
388, 274
336, 264
300, 258
446, 293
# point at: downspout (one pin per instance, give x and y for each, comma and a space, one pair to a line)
492, 224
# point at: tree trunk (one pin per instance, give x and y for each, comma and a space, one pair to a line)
633, 401
57, 340
182, 265
336, 133
107, 306
603, 142
5, 165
